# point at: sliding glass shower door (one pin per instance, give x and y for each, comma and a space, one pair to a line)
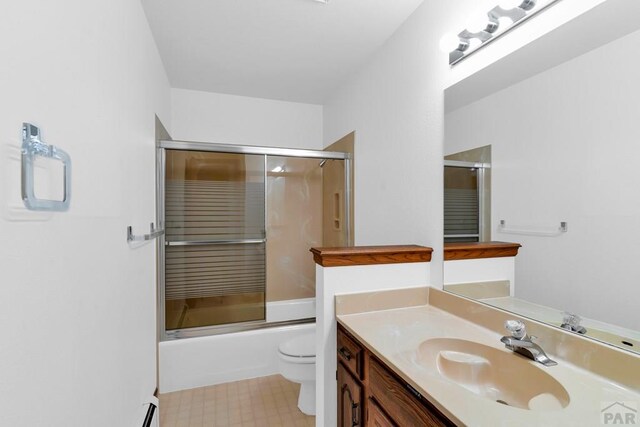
215, 239
239, 223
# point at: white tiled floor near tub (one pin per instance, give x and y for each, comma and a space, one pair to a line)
267, 401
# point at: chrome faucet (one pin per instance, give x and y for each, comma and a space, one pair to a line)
521, 343
571, 322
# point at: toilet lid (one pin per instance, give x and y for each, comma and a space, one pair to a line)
300, 346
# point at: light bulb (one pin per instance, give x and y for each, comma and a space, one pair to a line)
522, 4
509, 4
480, 23
474, 44
449, 42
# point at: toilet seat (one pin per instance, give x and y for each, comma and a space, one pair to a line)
300, 347
297, 360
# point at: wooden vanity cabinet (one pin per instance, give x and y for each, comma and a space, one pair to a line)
376, 416
401, 401
349, 399
350, 390
371, 394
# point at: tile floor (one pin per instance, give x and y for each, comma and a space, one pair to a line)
267, 401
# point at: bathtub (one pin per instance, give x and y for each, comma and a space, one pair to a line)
280, 311
203, 361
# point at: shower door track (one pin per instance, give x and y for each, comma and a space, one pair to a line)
201, 331
163, 145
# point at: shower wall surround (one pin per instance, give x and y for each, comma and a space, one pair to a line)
294, 224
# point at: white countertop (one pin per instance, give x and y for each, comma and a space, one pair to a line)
395, 335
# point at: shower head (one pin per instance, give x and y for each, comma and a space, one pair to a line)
322, 162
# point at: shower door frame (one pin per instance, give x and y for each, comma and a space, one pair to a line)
161, 147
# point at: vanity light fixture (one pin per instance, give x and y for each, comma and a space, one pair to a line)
504, 17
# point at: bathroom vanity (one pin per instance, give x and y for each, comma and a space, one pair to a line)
425, 357
371, 394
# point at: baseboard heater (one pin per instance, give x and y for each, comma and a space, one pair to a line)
149, 418
148, 415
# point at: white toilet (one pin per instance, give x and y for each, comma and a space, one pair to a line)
297, 363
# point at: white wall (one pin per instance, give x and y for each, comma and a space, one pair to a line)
77, 304
565, 148
230, 119
395, 105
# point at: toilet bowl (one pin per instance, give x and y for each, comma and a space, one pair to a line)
297, 363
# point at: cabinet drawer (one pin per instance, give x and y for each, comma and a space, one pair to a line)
403, 407
350, 353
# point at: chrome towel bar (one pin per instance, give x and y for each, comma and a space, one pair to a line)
533, 232
143, 237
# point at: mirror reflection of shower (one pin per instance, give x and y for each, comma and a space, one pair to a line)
467, 196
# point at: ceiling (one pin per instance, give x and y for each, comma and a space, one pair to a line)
292, 50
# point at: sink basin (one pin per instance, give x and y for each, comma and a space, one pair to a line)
501, 376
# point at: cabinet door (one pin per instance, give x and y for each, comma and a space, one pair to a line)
349, 399
376, 416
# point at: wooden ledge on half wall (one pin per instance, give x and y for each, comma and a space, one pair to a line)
477, 250
370, 255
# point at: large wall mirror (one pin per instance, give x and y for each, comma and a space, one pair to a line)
542, 151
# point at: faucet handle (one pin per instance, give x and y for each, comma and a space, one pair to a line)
571, 319
571, 322
516, 327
